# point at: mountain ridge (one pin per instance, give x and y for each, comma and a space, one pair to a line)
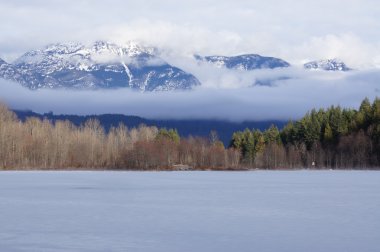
102, 65
106, 65
185, 127
327, 65
245, 62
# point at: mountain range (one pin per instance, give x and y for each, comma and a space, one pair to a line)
105, 65
102, 65
186, 128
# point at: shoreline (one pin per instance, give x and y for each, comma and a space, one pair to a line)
173, 170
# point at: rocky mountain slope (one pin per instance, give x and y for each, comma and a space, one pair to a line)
101, 65
327, 65
245, 62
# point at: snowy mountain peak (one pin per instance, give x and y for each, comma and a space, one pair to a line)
49, 51
62, 48
130, 49
100, 65
244, 62
73, 50
327, 65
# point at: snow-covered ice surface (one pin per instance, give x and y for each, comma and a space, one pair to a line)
326, 211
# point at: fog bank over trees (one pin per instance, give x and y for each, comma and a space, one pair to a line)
286, 99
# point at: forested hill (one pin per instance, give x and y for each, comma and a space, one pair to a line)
185, 128
332, 138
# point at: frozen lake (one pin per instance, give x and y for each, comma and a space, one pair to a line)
324, 211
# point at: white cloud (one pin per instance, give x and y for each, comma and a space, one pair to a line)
348, 47
293, 30
288, 99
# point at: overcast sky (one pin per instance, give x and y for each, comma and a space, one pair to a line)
296, 30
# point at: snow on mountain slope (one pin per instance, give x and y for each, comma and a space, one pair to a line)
101, 65
327, 65
245, 62
10, 72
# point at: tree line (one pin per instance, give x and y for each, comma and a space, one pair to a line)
42, 144
331, 138
324, 138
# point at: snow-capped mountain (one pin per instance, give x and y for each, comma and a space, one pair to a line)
327, 65
10, 72
244, 62
101, 65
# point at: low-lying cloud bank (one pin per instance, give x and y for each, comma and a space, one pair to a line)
287, 99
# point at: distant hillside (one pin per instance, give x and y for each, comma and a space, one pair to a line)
185, 128
244, 62
327, 65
